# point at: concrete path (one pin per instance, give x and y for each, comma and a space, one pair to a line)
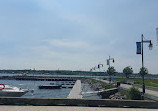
126, 86
147, 91
68, 108
75, 93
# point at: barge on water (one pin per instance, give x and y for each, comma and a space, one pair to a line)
49, 87
64, 84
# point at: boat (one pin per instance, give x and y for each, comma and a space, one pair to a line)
64, 84
67, 86
10, 91
49, 86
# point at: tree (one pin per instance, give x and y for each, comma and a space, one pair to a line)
143, 71
127, 71
134, 93
111, 70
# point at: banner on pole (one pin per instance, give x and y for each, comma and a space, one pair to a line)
107, 62
157, 35
138, 47
98, 66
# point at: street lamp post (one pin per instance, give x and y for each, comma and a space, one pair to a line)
99, 66
93, 69
108, 63
150, 48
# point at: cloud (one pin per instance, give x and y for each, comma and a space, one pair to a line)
68, 43
49, 32
74, 45
91, 26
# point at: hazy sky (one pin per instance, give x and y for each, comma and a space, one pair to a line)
77, 34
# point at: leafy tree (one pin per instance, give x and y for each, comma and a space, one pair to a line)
143, 71
127, 71
111, 70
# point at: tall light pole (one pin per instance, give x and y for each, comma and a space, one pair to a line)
108, 63
150, 48
99, 66
93, 69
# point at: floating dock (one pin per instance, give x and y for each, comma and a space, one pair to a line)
75, 93
64, 84
37, 78
49, 87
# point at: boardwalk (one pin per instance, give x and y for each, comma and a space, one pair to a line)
68, 108
75, 93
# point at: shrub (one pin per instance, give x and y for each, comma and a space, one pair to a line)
134, 93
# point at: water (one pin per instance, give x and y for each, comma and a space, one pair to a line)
46, 93
88, 76
52, 93
87, 88
49, 75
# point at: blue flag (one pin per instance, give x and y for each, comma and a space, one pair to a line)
107, 62
157, 35
138, 47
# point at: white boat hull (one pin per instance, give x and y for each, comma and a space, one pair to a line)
9, 91
12, 94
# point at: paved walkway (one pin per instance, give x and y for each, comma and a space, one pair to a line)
67, 108
126, 86
75, 93
147, 91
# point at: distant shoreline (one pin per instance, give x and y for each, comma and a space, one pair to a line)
69, 72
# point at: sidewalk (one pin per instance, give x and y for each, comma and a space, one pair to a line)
68, 108
126, 86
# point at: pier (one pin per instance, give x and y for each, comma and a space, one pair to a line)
75, 93
37, 78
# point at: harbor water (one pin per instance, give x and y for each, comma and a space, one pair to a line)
52, 93
46, 93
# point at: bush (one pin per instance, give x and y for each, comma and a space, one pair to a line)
134, 93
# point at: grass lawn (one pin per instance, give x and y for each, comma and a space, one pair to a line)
108, 87
148, 82
94, 81
103, 86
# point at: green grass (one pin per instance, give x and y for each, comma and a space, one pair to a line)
94, 81
109, 87
148, 82
104, 86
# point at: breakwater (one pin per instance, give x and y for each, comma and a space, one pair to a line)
76, 91
38, 78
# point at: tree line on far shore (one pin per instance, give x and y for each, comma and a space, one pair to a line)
127, 72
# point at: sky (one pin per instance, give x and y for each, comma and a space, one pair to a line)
77, 34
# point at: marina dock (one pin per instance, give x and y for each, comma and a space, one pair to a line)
75, 93
37, 78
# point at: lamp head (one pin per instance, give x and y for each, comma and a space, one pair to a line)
150, 46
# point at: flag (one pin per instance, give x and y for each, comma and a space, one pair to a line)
107, 62
157, 35
98, 66
138, 47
